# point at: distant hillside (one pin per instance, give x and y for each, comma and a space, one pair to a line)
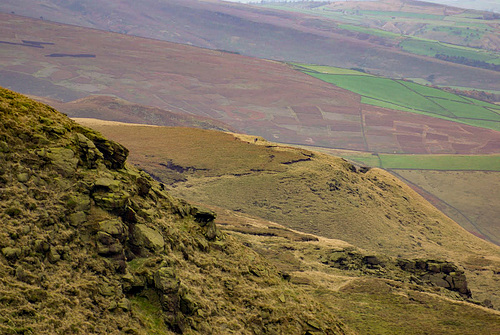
489, 5
111, 108
298, 35
249, 95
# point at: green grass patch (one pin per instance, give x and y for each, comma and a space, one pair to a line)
441, 162
331, 70
467, 110
433, 48
464, 32
410, 97
151, 313
432, 92
391, 14
370, 31
426, 162
384, 89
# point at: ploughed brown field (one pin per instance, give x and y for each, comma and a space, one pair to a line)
249, 95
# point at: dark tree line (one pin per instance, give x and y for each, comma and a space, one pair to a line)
469, 62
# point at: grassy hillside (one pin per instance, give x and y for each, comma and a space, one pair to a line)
90, 245
462, 196
456, 184
371, 299
414, 26
306, 191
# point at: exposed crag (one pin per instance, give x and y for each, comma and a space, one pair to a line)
426, 272
90, 245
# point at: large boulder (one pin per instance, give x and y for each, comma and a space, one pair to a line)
146, 240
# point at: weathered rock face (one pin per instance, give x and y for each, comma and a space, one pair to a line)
206, 219
114, 153
147, 240
437, 273
420, 271
351, 259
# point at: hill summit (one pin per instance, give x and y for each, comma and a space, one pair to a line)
91, 245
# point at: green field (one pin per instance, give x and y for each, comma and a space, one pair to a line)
433, 48
465, 110
432, 92
370, 31
329, 69
457, 29
428, 162
410, 97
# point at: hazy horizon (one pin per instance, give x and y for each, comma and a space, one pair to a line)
487, 5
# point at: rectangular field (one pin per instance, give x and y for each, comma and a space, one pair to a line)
441, 162
409, 96
426, 162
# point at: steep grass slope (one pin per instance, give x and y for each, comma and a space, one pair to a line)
309, 192
90, 245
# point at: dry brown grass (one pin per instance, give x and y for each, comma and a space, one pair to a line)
63, 272
321, 195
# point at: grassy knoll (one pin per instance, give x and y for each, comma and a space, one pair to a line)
411, 97
457, 190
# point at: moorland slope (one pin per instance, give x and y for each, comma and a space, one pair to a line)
309, 192
90, 245
265, 33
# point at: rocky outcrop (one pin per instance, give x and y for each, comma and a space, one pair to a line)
436, 273
423, 272
114, 153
